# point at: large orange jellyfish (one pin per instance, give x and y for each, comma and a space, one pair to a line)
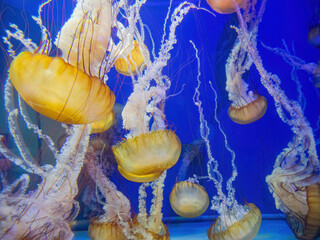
145, 157
235, 221
225, 6
294, 181
189, 199
59, 90
70, 90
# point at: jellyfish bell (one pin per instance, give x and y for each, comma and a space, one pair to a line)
144, 157
225, 6
189, 199
103, 124
301, 204
304, 221
250, 112
105, 230
244, 224
59, 90
133, 62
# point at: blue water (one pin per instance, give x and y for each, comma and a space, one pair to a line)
256, 145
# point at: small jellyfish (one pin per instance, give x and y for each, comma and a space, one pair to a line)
143, 158
250, 112
225, 6
242, 223
59, 90
189, 199
131, 63
246, 106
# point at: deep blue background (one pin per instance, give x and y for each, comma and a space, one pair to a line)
256, 145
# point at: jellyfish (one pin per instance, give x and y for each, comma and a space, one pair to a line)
294, 181
189, 199
134, 157
67, 89
128, 53
246, 106
246, 228
85, 37
133, 63
114, 223
148, 150
59, 90
235, 221
149, 225
225, 6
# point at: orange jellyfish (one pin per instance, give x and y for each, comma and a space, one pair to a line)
68, 89
143, 158
85, 37
225, 6
246, 106
150, 149
189, 199
115, 222
248, 112
244, 224
133, 62
162, 234
301, 204
59, 90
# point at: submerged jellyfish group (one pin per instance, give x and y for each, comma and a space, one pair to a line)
68, 85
